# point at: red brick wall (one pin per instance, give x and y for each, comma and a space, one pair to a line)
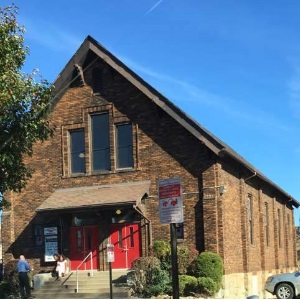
163, 149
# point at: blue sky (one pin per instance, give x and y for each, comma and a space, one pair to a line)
234, 66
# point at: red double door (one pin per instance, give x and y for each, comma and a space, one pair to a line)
85, 240
126, 241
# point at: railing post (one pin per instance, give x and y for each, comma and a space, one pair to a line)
92, 271
77, 281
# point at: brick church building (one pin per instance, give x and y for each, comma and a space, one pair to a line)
97, 181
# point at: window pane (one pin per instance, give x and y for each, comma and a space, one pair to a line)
179, 231
250, 219
131, 235
77, 151
100, 142
124, 146
120, 238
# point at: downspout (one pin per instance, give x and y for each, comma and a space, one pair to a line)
150, 223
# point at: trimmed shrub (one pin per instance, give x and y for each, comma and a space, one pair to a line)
187, 285
209, 264
185, 256
207, 286
147, 279
162, 250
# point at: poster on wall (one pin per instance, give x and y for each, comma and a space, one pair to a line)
50, 231
51, 247
51, 243
170, 201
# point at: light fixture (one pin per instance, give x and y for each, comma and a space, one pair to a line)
118, 211
221, 188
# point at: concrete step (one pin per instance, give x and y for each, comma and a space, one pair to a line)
99, 295
96, 286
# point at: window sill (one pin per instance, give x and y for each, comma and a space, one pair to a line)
96, 173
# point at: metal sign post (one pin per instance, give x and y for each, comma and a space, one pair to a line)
171, 212
110, 259
175, 279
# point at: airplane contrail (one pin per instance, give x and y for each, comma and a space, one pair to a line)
153, 7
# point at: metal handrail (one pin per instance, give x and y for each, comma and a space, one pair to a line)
92, 271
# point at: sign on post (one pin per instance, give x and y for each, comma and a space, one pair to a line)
110, 253
170, 201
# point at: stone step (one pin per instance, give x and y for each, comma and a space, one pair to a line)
99, 295
96, 286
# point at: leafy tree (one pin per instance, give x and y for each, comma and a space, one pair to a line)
24, 105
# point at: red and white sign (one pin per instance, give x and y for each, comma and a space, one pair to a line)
110, 253
170, 201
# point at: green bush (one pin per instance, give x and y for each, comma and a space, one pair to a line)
187, 285
210, 265
162, 250
147, 278
185, 257
10, 284
207, 286
5, 290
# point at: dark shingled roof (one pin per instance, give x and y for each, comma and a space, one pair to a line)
96, 195
217, 146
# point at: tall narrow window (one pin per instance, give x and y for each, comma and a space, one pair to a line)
279, 228
179, 230
100, 142
124, 146
120, 238
79, 238
77, 151
250, 218
266, 224
131, 235
288, 227
38, 235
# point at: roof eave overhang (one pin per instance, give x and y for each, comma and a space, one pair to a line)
91, 206
258, 174
214, 144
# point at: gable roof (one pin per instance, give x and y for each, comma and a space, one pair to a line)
217, 146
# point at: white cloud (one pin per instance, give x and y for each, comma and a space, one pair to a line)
239, 110
293, 90
153, 7
51, 37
